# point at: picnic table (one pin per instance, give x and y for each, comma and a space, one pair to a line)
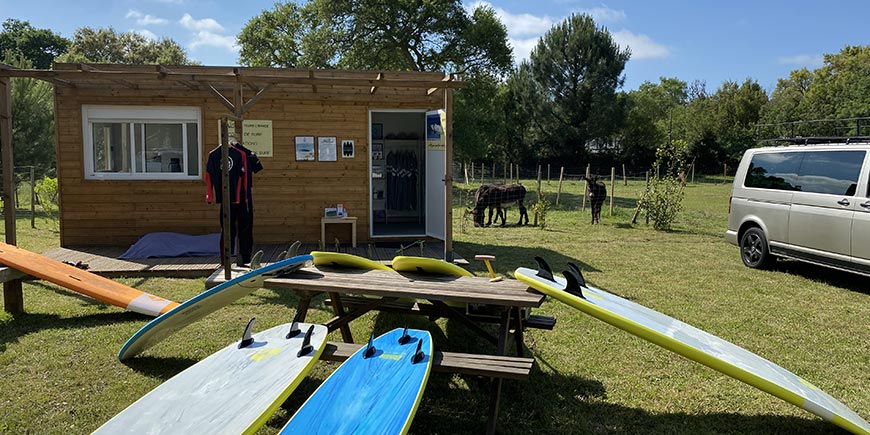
353, 293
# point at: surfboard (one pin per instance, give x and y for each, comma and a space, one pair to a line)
84, 282
376, 391
204, 304
338, 259
233, 391
692, 343
427, 265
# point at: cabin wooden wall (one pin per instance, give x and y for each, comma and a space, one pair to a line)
289, 196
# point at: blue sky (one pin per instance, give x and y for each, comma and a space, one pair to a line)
712, 41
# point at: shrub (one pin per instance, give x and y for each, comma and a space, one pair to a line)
663, 197
46, 192
540, 209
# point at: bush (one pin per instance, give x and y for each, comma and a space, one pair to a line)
663, 197
46, 192
540, 210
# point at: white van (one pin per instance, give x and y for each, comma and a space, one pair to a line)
807, 202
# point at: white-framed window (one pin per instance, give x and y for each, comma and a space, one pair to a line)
142, 142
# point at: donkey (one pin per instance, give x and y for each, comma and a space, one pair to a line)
499, 197
597, 192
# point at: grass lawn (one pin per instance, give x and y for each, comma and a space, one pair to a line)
59, 372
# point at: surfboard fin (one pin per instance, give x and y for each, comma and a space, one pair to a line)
576, 269
247, 340
405, 338
256, 259
294, 330
544, 270
573, 285
370, 348
306, 343
418, 355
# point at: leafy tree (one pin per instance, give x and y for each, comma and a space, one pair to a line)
32, 117
477, 126
105, 45
39, 46
664, 193
649, 119
578, 68
275, 38
840, 88
521, 99
785, 102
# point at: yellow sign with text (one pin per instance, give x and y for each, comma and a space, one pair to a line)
257, 135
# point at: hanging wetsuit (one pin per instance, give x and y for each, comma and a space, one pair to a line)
246, 216
214, 192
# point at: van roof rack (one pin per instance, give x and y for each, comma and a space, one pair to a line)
816, 131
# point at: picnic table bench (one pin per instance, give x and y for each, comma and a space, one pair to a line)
353, 293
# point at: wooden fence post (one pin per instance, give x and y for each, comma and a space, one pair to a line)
725, 170
559, 192
586, 189
465, 169
504, 173
646, 212
512, 173
693, 173
612, 187
624, 178
548, 173
539, 193
32, 197
493, 172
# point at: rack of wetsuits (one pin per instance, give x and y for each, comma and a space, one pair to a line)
402, 180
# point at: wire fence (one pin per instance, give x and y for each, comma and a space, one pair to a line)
26, 180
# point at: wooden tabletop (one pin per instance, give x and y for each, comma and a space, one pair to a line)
474, 290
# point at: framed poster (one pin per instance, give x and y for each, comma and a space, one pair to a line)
377, 151
347, 149
304, 148
377, 131
326, 149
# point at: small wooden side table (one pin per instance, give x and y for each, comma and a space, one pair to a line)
341, 220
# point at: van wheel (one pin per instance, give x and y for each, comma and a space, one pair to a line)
754, 249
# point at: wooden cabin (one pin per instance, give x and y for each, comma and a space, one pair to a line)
132, 145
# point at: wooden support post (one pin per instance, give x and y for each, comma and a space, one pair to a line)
539, 193
13, 297
693, 173
561, 176
646, 189
548, 173
512, 172
448, 177
32, 197
612, 187
226, 247
624, 178
725, 170
465, 170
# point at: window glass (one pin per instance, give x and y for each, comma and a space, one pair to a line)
192, 149
774, 170
111, 147
138, 139
831, 172
164, 147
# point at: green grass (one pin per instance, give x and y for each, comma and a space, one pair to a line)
59, 373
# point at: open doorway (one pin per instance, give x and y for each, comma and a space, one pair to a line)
398, 167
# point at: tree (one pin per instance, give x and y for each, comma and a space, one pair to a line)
477, 127
649, 119
785, 103
39, 46
105, 45
32, 117
274, 38
578, 67
840, 88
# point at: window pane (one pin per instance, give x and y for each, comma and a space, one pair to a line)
192, 149
111, 147
832, 172
138, 139
163, 148
774, 171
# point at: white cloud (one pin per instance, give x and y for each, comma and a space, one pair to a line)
214, 40
807, 60
518, 24
603, 14
203, 25
144, 19
146, 33
642, 46
523, 47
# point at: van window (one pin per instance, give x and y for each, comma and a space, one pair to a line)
774, 171
831, 172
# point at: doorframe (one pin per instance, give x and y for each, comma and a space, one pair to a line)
369, 157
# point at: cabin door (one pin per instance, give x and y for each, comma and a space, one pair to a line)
436, 172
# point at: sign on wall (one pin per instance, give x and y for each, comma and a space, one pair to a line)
436, 121
326, 149
257, 135
304, 148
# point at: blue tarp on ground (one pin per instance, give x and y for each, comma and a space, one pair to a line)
157, 245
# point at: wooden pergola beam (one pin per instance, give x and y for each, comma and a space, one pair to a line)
375, 88
256, 98
222, 99
447, 79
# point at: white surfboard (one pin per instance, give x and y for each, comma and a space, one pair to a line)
233, 391
204, 304
692, 343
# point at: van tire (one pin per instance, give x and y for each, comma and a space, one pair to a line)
754, 249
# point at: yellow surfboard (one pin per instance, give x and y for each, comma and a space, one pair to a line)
428, 265
690, 342
338, 259
84, 282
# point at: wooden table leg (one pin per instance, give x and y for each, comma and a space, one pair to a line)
339, 312
518, 332
495, 389
302, 306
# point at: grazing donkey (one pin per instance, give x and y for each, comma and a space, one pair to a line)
498, 197
597, 192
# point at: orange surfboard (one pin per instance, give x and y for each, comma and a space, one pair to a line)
84, 282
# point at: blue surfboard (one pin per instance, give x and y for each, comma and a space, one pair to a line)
376, 391
204, 304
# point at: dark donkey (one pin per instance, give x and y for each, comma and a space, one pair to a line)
498, 197
597, 192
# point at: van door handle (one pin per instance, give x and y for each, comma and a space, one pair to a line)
843, 202
865, 204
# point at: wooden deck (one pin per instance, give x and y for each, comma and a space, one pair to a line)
104, 260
